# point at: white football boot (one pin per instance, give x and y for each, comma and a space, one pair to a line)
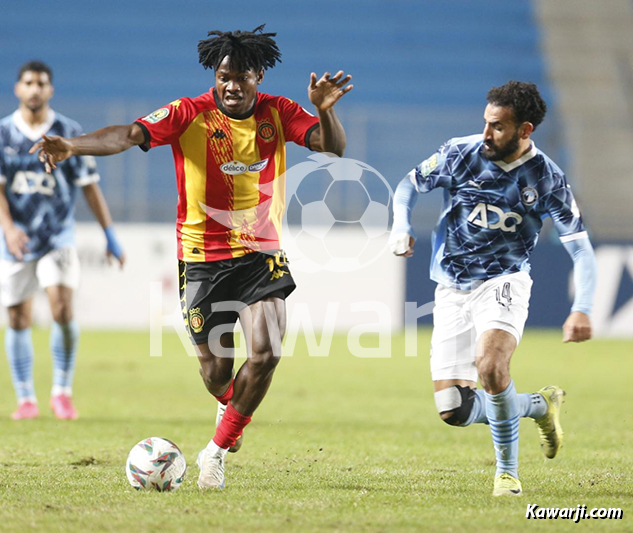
211, 464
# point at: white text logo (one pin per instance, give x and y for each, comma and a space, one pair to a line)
479, 217
29, 182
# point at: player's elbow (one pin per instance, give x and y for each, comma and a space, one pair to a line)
135, 135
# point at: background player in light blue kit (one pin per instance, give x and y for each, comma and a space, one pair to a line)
37, 245
498, 187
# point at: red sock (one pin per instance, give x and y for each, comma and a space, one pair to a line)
225, 398
231, 427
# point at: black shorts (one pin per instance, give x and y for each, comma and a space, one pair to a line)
239, 282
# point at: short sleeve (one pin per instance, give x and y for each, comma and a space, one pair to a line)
85, 170
433, 172
561, 206
298, 124
166, 124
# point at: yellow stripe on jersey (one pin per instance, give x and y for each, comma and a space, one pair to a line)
279, 184
193, 144
245, 192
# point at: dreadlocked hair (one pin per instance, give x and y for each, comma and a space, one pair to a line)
245, 49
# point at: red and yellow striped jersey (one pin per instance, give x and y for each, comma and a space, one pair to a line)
229, 171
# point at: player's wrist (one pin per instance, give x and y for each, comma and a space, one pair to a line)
73, 149
110, 233
113, 246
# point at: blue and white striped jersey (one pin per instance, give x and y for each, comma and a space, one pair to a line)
41, 204
492, 211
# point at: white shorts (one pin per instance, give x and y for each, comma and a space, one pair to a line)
460, 318
19, 280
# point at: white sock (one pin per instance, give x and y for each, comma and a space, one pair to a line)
58, 389
215, 450
31, 399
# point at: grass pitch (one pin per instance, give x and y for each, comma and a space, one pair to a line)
339, 444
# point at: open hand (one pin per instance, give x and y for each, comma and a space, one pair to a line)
328, 90
17, 242
52, 149
120, 258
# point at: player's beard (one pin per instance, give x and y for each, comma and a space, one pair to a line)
497, 153
35, 105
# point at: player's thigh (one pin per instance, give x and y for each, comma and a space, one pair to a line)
262, 283
502, 304
18, 282
453, 342
264, 324
209, 311
59, 268
60, 299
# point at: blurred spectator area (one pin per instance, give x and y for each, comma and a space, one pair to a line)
421, 72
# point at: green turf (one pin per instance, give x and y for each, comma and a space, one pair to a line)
340, 444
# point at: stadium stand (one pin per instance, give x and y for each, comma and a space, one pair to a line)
416, 83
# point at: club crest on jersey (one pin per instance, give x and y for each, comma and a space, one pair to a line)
266, 130
157, 115
529, 196
196, 320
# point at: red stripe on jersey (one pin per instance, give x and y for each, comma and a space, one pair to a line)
266, 231
181, 214
219, 190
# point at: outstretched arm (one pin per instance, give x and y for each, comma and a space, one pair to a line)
402, 238
324, 93
99, 208
577, 327
106, 141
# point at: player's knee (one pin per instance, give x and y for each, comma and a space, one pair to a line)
62, 313
454, 404
263, 360
19, 320
215, 374
491, 371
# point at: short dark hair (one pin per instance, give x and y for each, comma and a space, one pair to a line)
35, 66
246, 49
524, 99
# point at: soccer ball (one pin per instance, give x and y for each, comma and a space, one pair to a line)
327, 195
155, 464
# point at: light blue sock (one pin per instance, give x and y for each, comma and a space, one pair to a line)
19, 347
478, 414
64, 339
503, 412
532, 406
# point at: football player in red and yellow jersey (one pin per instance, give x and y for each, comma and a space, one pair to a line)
230, 158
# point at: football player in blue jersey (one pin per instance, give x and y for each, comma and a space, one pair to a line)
498, 187
37, 244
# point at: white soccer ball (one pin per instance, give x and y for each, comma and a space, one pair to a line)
155, 464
